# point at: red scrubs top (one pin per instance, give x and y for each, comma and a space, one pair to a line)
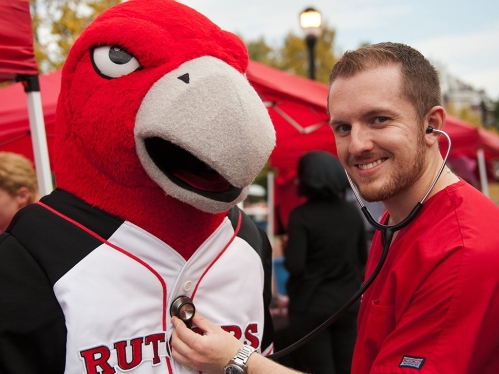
434, 307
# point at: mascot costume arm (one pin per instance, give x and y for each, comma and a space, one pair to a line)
158, 137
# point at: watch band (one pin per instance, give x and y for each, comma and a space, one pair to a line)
237, 365
243, 354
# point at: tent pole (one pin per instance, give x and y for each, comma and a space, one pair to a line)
270, 206
38, 135
483, 171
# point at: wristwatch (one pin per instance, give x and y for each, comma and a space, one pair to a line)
238, 364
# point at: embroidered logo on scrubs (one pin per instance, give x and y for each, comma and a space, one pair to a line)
412, 362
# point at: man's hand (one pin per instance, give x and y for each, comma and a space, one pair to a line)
209, 352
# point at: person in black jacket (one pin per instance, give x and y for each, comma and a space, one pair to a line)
325, 257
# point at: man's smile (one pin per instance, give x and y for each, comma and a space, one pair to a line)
371, 164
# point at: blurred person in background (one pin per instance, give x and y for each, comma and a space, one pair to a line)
18, 186
325, 257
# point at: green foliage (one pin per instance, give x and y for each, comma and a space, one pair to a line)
57, 24
466, 114
259, 50
261, 178
293, 55
495, 117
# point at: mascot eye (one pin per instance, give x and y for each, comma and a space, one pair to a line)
113, 62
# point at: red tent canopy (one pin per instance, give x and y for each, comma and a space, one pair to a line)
17, 62
466, 139
297, 107
16, 40
489, 142
14, 122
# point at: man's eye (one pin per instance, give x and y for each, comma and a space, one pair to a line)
341, 128
379, 120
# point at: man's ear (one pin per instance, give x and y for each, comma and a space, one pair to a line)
436, 119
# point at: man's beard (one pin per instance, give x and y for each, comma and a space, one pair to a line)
400, 179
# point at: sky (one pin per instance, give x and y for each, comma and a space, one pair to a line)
460, 36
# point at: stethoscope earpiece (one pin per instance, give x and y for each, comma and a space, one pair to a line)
183, 307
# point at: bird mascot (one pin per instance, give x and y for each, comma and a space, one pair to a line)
158, 138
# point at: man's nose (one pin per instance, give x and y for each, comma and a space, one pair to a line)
360, 140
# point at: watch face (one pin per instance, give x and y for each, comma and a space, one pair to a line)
233, 369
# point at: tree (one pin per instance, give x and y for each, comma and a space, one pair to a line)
464, 113
259, 50
293, 55
495, 117
57, 24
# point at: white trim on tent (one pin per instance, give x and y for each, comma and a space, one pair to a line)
483, 171
39, 140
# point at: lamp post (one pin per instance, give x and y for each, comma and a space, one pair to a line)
311, 23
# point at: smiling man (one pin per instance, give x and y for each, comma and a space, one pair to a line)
379, 117
382, 100
433, 307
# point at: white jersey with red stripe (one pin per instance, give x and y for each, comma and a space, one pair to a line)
114, 290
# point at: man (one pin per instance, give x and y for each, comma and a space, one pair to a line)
434, 306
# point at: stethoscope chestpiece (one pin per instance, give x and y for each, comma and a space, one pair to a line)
183, 307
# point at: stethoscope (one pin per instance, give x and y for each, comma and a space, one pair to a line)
183, 307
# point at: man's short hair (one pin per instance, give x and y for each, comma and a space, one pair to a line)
16, 171
420, 82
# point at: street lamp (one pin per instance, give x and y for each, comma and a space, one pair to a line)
311, 23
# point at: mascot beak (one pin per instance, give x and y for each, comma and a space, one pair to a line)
194, 130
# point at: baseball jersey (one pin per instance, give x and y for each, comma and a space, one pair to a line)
85, 292
434, 307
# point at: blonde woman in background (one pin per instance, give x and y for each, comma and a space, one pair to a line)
18, 186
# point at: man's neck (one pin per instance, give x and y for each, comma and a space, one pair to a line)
400, 206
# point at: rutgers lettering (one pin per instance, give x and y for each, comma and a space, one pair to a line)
98, 357
234, 330
136, 353
130, 353
249, 336
155, 339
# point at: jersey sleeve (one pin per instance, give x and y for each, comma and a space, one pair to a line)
32, 327
268, 334
259, 241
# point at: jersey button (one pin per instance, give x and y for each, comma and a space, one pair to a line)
187, 285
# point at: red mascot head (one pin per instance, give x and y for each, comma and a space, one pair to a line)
156, 122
